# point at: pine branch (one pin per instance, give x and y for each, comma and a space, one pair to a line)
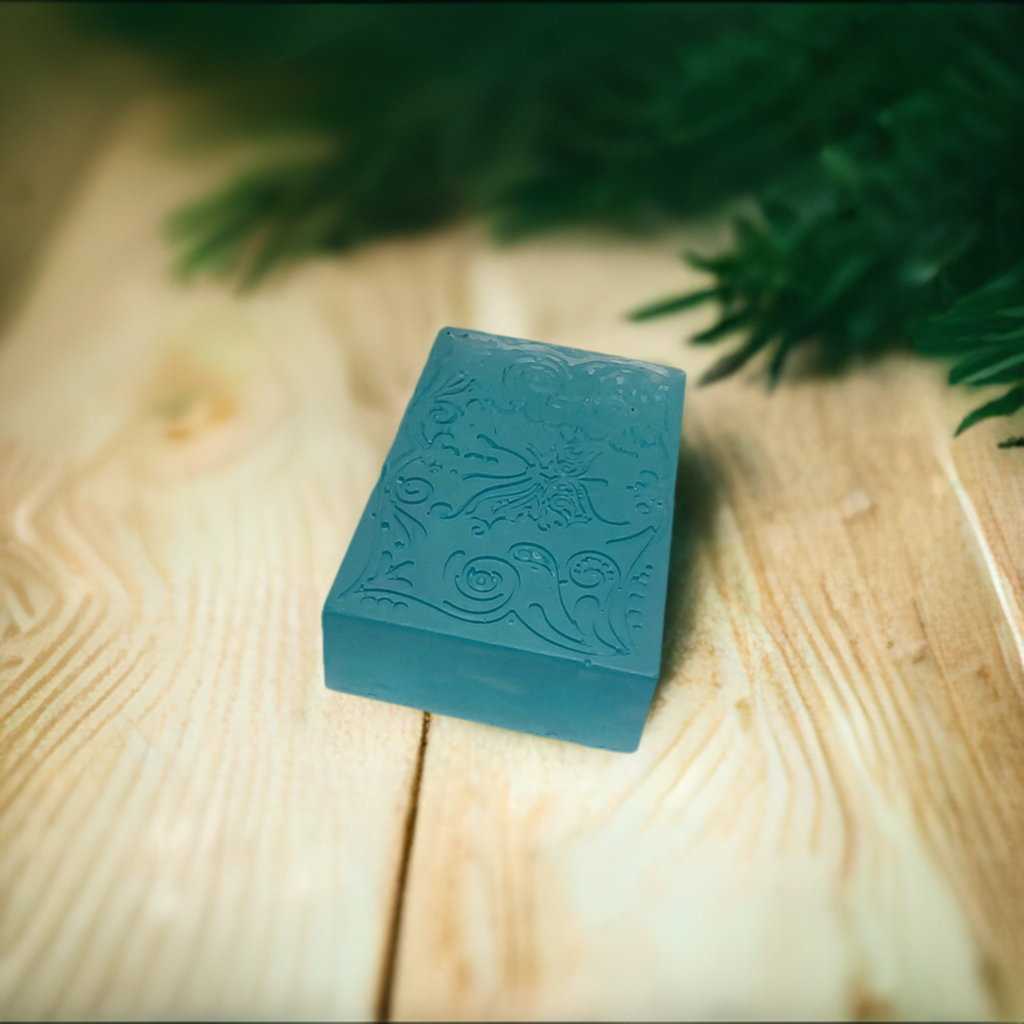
985, 332
883, 143
535, 116
925, 206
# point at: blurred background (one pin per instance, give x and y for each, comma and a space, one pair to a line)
61, 92
228, 237
881, 146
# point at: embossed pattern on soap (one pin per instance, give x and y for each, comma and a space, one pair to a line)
503, 499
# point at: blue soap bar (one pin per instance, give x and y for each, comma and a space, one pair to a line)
511, 564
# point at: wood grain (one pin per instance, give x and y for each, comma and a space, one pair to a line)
191, 825
826, 813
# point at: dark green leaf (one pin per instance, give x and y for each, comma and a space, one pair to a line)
727, 325
675, 305
729, 364
1004, 406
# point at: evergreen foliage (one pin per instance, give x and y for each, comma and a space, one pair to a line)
884, 144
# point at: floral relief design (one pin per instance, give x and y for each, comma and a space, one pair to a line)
517, 497
550, 488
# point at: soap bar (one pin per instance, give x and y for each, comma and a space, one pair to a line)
511, 564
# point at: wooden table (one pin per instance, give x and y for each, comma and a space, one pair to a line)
826, 814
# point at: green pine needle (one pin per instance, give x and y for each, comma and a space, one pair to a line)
675, 304
985, 330
1004, 406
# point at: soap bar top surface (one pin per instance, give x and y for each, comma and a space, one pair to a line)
526, 502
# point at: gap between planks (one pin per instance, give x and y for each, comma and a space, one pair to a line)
387, 982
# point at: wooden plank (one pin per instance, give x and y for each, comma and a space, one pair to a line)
989, 482
826, 814
190, 824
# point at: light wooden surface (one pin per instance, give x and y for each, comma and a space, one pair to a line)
826, 814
